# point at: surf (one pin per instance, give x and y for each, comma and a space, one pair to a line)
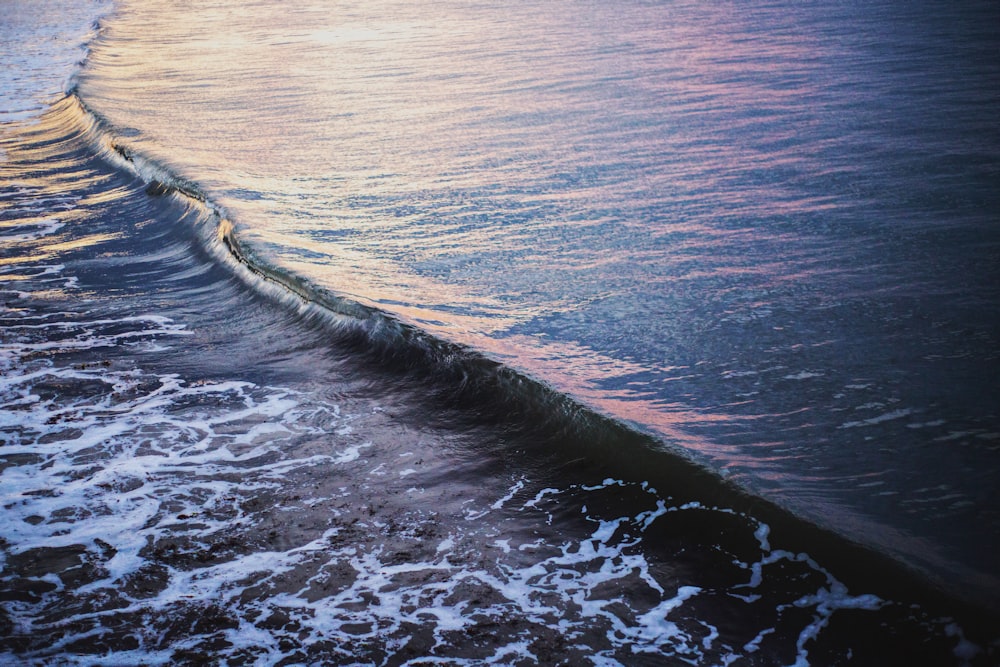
464, 379
544, 504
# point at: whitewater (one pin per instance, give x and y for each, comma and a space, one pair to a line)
546, 334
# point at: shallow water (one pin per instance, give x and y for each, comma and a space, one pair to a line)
737, 228
164, 505
199, 464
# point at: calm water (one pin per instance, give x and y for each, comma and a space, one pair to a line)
760, 238
767, 233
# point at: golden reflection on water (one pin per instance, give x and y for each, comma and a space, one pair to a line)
479, 172
626, 203
411, 144
77, 244
48, 250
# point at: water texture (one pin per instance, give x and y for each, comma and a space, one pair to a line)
764, 233
546, 333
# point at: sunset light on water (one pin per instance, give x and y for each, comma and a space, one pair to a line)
636, 331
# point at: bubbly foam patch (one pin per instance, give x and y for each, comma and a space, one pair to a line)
150, 516
161, 519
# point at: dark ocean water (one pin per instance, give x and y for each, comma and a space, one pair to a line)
645, 333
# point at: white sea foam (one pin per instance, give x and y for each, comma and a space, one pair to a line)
174, 459
167, 472
510, 495
351, 453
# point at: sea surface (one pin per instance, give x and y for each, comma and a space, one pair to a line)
542, 332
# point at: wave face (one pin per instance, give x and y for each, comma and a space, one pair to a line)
192, 473
199, 464
737, 229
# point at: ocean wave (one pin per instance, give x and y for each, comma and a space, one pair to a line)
463, 378
160, 518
